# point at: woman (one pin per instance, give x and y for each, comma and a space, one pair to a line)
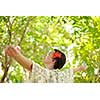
54, 61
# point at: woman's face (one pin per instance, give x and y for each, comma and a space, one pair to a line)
48, 59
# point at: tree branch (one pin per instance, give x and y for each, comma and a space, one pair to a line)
7, 65
24, 31
7, 61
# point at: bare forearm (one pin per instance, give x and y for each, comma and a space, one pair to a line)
22, 60
78, 69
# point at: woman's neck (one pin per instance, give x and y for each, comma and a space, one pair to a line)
50, 66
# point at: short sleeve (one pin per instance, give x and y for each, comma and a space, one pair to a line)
36, 68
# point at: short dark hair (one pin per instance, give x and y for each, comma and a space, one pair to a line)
59, 61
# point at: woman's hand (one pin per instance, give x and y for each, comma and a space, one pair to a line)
12, 51
15, 53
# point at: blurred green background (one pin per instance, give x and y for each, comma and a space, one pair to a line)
77, 36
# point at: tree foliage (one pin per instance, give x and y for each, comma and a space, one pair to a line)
77, 36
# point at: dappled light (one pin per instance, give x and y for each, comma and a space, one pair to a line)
77, 36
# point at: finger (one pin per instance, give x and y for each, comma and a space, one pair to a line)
7, 53
12, 51
7, 49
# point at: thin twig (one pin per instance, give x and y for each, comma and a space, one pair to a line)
24, 31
